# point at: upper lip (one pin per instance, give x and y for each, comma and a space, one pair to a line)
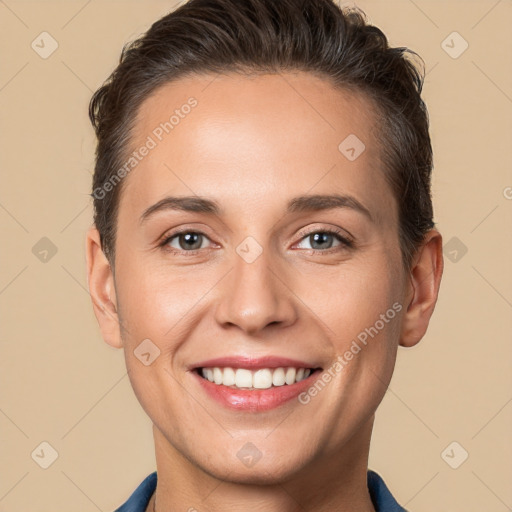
252, 362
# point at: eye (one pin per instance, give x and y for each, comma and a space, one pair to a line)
322, 240
188, 241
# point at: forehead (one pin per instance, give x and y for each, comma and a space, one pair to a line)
249, 138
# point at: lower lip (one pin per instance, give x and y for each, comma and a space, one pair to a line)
256, 400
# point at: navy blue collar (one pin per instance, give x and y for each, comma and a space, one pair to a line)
382, 499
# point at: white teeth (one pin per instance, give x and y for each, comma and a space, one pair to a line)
278, 377
263, 378
229, 377
217, 376
290, 375
243, 378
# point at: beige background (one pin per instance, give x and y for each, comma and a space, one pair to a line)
62, 384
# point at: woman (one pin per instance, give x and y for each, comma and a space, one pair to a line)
263, 242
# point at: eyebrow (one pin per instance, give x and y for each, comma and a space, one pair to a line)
303, 203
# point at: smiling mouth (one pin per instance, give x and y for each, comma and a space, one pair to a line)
263, 378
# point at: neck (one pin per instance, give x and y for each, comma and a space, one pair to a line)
337, 481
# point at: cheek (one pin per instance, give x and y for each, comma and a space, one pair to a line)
157, 311
361, 318
154, 299
351, 297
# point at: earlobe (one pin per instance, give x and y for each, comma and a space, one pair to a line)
423, 288
102, 290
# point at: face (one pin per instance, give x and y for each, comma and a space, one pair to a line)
255, 278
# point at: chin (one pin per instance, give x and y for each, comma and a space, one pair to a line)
269, 469
259, 474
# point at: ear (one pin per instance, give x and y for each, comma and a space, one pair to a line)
102, 290
424, 281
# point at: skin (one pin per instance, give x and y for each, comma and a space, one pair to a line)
251, 144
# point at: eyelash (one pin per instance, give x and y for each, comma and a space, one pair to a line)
346, 243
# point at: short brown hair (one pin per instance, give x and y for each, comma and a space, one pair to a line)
269, 36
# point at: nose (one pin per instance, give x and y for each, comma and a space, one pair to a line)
254, 295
